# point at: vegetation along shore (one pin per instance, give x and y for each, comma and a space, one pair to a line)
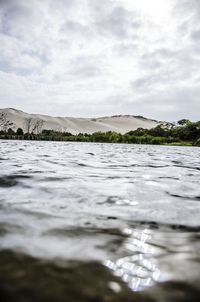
184, 133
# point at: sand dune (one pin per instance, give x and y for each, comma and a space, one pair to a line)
12, 118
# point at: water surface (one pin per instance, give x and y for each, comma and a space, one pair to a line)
134, 208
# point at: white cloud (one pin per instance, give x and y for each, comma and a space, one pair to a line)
91, 57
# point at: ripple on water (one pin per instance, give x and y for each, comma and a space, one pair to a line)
12, 180
81, 205
187, 197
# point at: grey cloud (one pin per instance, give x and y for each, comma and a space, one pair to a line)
153, 82
171, 105
74, 53
187, 7
189, 13
112, 19
84, 67
76, 30
142, 83
166, 66
73, 26
19, 18
196, 35
166, 53
124, 48
150, 61
62, 5
116, 22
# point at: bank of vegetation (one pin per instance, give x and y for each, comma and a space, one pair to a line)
185, 133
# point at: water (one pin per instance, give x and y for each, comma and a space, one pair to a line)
134, 208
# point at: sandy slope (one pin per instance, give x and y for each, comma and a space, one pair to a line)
12, 118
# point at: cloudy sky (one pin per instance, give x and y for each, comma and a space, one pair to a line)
101, 57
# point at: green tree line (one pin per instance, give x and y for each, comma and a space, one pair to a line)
184, 133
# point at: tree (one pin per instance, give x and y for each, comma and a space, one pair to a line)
157, 131
37, 127
33, 125
138, 132
197, 143
183, 122
47, 132
20, 131
27, 125
10, 131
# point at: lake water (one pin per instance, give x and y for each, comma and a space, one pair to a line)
134, 208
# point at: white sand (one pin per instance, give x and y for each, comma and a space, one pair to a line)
120, 124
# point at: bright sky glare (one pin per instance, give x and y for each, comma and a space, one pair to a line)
156, 10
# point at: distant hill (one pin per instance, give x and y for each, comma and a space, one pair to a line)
13, 118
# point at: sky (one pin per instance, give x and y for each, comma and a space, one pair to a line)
87, 58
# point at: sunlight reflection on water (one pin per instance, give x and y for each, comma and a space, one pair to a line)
140, 269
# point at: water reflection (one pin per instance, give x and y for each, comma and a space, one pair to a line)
138, 270
157, 255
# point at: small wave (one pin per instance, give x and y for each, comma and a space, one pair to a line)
8, 181
11, 180
187, 167
82, 231
187, 197
8, 228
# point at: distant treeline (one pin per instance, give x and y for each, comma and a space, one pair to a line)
184, 133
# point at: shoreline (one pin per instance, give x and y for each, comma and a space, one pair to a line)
175, 144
